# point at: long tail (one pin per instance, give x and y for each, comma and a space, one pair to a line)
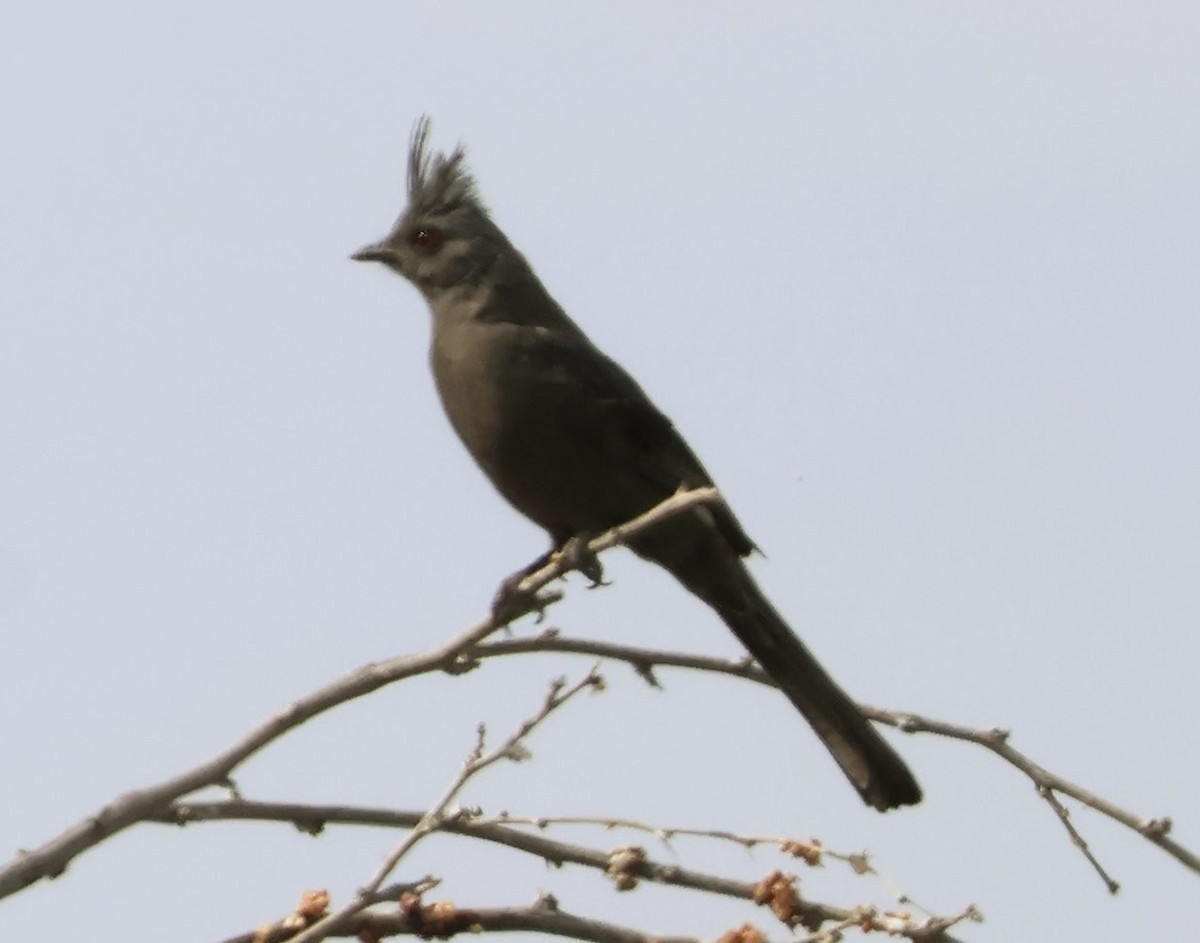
872, 766
711, 570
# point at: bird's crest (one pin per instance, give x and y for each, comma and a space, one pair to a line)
437, 183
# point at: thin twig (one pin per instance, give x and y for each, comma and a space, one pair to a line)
51, 858
1048, 783
442, 920
439, 814
645, 661
1064, 816
313, 819
543, 917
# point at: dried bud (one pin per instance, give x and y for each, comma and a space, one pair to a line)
746, 933
810, 851
313, 905
778, 891
440, 920
623, 866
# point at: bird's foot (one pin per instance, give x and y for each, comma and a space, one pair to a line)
576, 554
511, 602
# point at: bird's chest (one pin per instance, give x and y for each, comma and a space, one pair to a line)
492, 392
511, 402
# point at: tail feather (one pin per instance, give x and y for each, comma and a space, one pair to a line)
872, 766
702, 559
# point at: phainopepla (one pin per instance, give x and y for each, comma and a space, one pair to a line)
572, 442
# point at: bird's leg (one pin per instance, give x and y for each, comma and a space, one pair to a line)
578, 556
510, 601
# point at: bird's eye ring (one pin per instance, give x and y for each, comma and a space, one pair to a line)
427, 239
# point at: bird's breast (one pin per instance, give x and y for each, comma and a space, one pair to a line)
507, 400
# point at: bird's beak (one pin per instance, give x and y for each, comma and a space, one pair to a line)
376, 252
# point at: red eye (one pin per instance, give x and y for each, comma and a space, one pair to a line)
428, 239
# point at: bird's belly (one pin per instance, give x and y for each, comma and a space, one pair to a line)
547, 466
538, 451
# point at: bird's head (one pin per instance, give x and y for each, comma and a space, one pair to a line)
445, 239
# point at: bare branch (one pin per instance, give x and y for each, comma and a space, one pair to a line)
645, 661
636, 656
1047, 783
1064, 816
812, 852
633, 867
443, 919
439, 814
313, 819
51, 859
463, 653
543, 917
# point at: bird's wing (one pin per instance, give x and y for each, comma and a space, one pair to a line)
649, 446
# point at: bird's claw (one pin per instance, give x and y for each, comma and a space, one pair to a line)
511, 601
576, 554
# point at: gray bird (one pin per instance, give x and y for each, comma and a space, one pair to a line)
574, 444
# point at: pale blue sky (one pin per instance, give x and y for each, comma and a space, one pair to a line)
919, 282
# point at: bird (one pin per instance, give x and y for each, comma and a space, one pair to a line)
573, 443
